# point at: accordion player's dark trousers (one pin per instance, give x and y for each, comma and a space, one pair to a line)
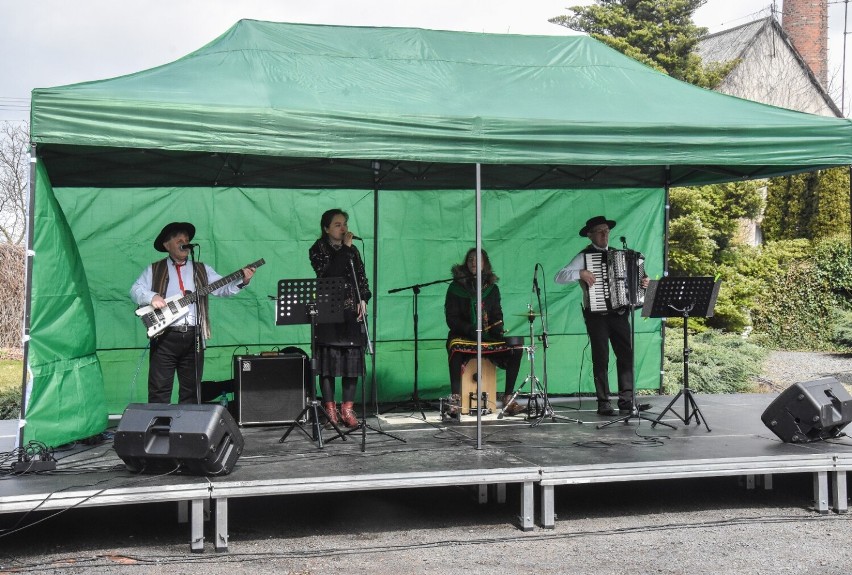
614, 328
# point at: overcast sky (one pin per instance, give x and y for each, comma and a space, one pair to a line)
46, 43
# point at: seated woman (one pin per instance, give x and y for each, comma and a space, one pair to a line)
460, 312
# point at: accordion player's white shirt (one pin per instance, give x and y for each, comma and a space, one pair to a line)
571, 272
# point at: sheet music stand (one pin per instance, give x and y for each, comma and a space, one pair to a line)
313, 301
682, 297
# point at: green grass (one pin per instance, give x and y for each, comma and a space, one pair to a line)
10, 388
10, 374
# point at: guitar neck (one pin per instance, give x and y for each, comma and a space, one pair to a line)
211, 287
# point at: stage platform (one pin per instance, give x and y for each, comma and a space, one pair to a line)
437, 453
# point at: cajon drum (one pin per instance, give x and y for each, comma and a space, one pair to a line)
468, 386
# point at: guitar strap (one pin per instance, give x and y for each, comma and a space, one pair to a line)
160, 283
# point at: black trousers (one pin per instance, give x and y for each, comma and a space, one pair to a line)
510, 360
605, 329
174, 352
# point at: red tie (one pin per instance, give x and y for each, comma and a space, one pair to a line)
180, 279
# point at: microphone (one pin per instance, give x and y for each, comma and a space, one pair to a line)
623, 242
535, 279
354, 237
188, 246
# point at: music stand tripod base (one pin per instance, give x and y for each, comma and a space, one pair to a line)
682, 297
310, 301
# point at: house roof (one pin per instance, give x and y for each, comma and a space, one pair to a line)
733, 44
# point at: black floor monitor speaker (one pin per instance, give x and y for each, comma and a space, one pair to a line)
270, 389
809, 411
197, 439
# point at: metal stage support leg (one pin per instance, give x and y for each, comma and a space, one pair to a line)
221, 525
838, 492
482, 493
500, 493
526, 521
548, 513
196, 529
821, 491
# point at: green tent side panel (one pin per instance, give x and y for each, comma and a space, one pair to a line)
66, 399
421, 234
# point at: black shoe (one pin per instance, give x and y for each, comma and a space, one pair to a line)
629, 410
605, 408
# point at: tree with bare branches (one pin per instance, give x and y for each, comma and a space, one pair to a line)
14, 181
14, 184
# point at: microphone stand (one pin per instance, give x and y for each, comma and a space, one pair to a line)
547, 408
199, 327
632, 291
363, 426
415, 401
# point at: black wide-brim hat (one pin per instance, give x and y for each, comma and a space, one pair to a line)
596, 221
170, 230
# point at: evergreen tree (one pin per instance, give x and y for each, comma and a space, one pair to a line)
658, 33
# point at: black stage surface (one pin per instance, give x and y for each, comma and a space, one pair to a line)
435, 454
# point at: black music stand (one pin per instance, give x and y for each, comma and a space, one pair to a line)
313, 301
415, 402
682, 297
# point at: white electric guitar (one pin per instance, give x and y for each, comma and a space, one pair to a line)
177, 306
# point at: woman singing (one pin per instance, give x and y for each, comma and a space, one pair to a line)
340, 346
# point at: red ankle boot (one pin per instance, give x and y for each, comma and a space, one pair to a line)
347, 414
331, 410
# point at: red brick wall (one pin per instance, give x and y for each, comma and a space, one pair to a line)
806, 22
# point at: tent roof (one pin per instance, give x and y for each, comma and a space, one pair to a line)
295, 105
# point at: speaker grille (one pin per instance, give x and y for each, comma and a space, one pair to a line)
271, 390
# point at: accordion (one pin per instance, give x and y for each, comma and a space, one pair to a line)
618, 276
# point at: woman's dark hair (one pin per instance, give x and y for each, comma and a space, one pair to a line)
325, 221
488, 275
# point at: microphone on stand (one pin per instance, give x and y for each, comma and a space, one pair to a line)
188, 246
623, 242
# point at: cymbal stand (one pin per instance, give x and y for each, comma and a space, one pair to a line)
547, 408
535, 384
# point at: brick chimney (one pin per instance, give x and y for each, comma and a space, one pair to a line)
806, 23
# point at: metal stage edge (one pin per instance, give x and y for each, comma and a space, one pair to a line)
547, 455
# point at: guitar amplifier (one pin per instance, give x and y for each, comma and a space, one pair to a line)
269, 390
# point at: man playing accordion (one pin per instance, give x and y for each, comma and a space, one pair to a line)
606, 317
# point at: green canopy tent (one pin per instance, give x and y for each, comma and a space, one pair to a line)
392, 125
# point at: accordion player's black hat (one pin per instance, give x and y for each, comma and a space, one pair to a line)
596, 221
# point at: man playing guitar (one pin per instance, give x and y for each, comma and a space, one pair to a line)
168, 288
